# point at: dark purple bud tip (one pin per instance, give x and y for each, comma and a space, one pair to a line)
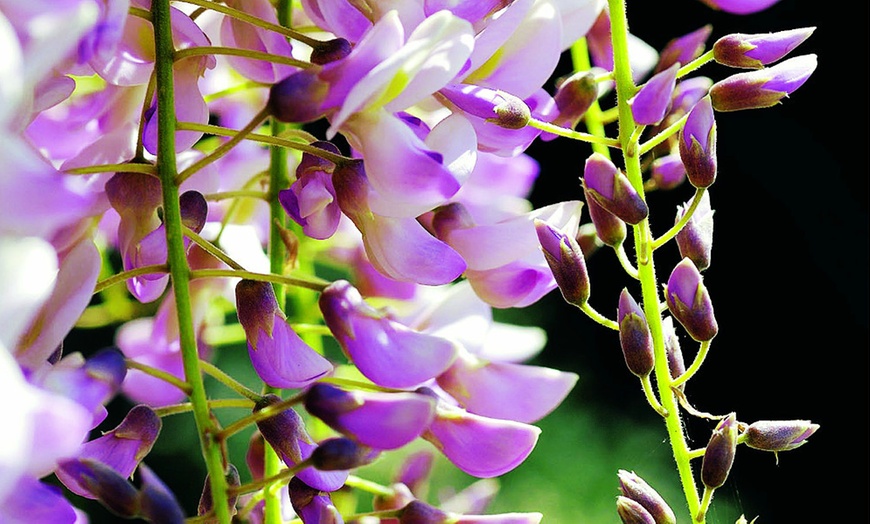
327, 402
635, 488
634, 336
779, 435
566, 261
632, 512
341, 454
330, 51
417, 512
298, 97
256, 307
689, 301
206, 503
157, 503
283, 430
107, 366
719, 455
194, 210
104, 484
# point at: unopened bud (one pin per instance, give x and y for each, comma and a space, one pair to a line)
330, 51
697, 144
759, 50
651, 103
298, 97
418, 512
719, 454
779, 435
574, 96
689, 301
609, 228
608, 186
494, 106
566, 261
763, 87
632, 512
695, 240
684, 49
341, 454
635, 488
634, 336
206, 503
667, 172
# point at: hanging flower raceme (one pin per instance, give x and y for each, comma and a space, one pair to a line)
279, 355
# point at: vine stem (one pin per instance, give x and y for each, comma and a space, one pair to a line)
625, 89
177, 257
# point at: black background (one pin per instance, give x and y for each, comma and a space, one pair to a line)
789, 271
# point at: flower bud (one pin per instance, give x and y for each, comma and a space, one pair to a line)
719, 455
763, 87
689, 301
634, 336
635, 488
194, 210
676, 364
330, 51
574, 96
779, 435
757, 51
298, 97
695, 240
206, 503
609, 228
311, 504
157, 503
565, 258
683, 49
341, 454
697, 144
494, 106
101, 482
651, 103
667, 172
418, 512
610, 188
632, 512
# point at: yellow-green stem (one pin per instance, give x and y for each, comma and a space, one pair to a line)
625, 89
177, 257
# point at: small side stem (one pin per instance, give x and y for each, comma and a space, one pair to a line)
169, 378
598, 317
696, 365
574, 135
672, 232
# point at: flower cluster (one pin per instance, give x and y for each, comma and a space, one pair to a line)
341, 187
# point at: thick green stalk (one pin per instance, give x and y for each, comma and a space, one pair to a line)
177, 257
625, 89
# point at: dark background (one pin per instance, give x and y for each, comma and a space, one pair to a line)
789, 271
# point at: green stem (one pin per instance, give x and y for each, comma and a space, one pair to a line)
570, 133
696, 365
695, 64
159, 373
127, 167
705, 505
651, 396
241, 193
186, 407
366, 485
261, 415
177, 257
661, 136
224, 148
625, 89
253, 20
681, 223
125, 275
245, 53
228, 381
598, 317
266, 139
625, 262
309, 283
211, 249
